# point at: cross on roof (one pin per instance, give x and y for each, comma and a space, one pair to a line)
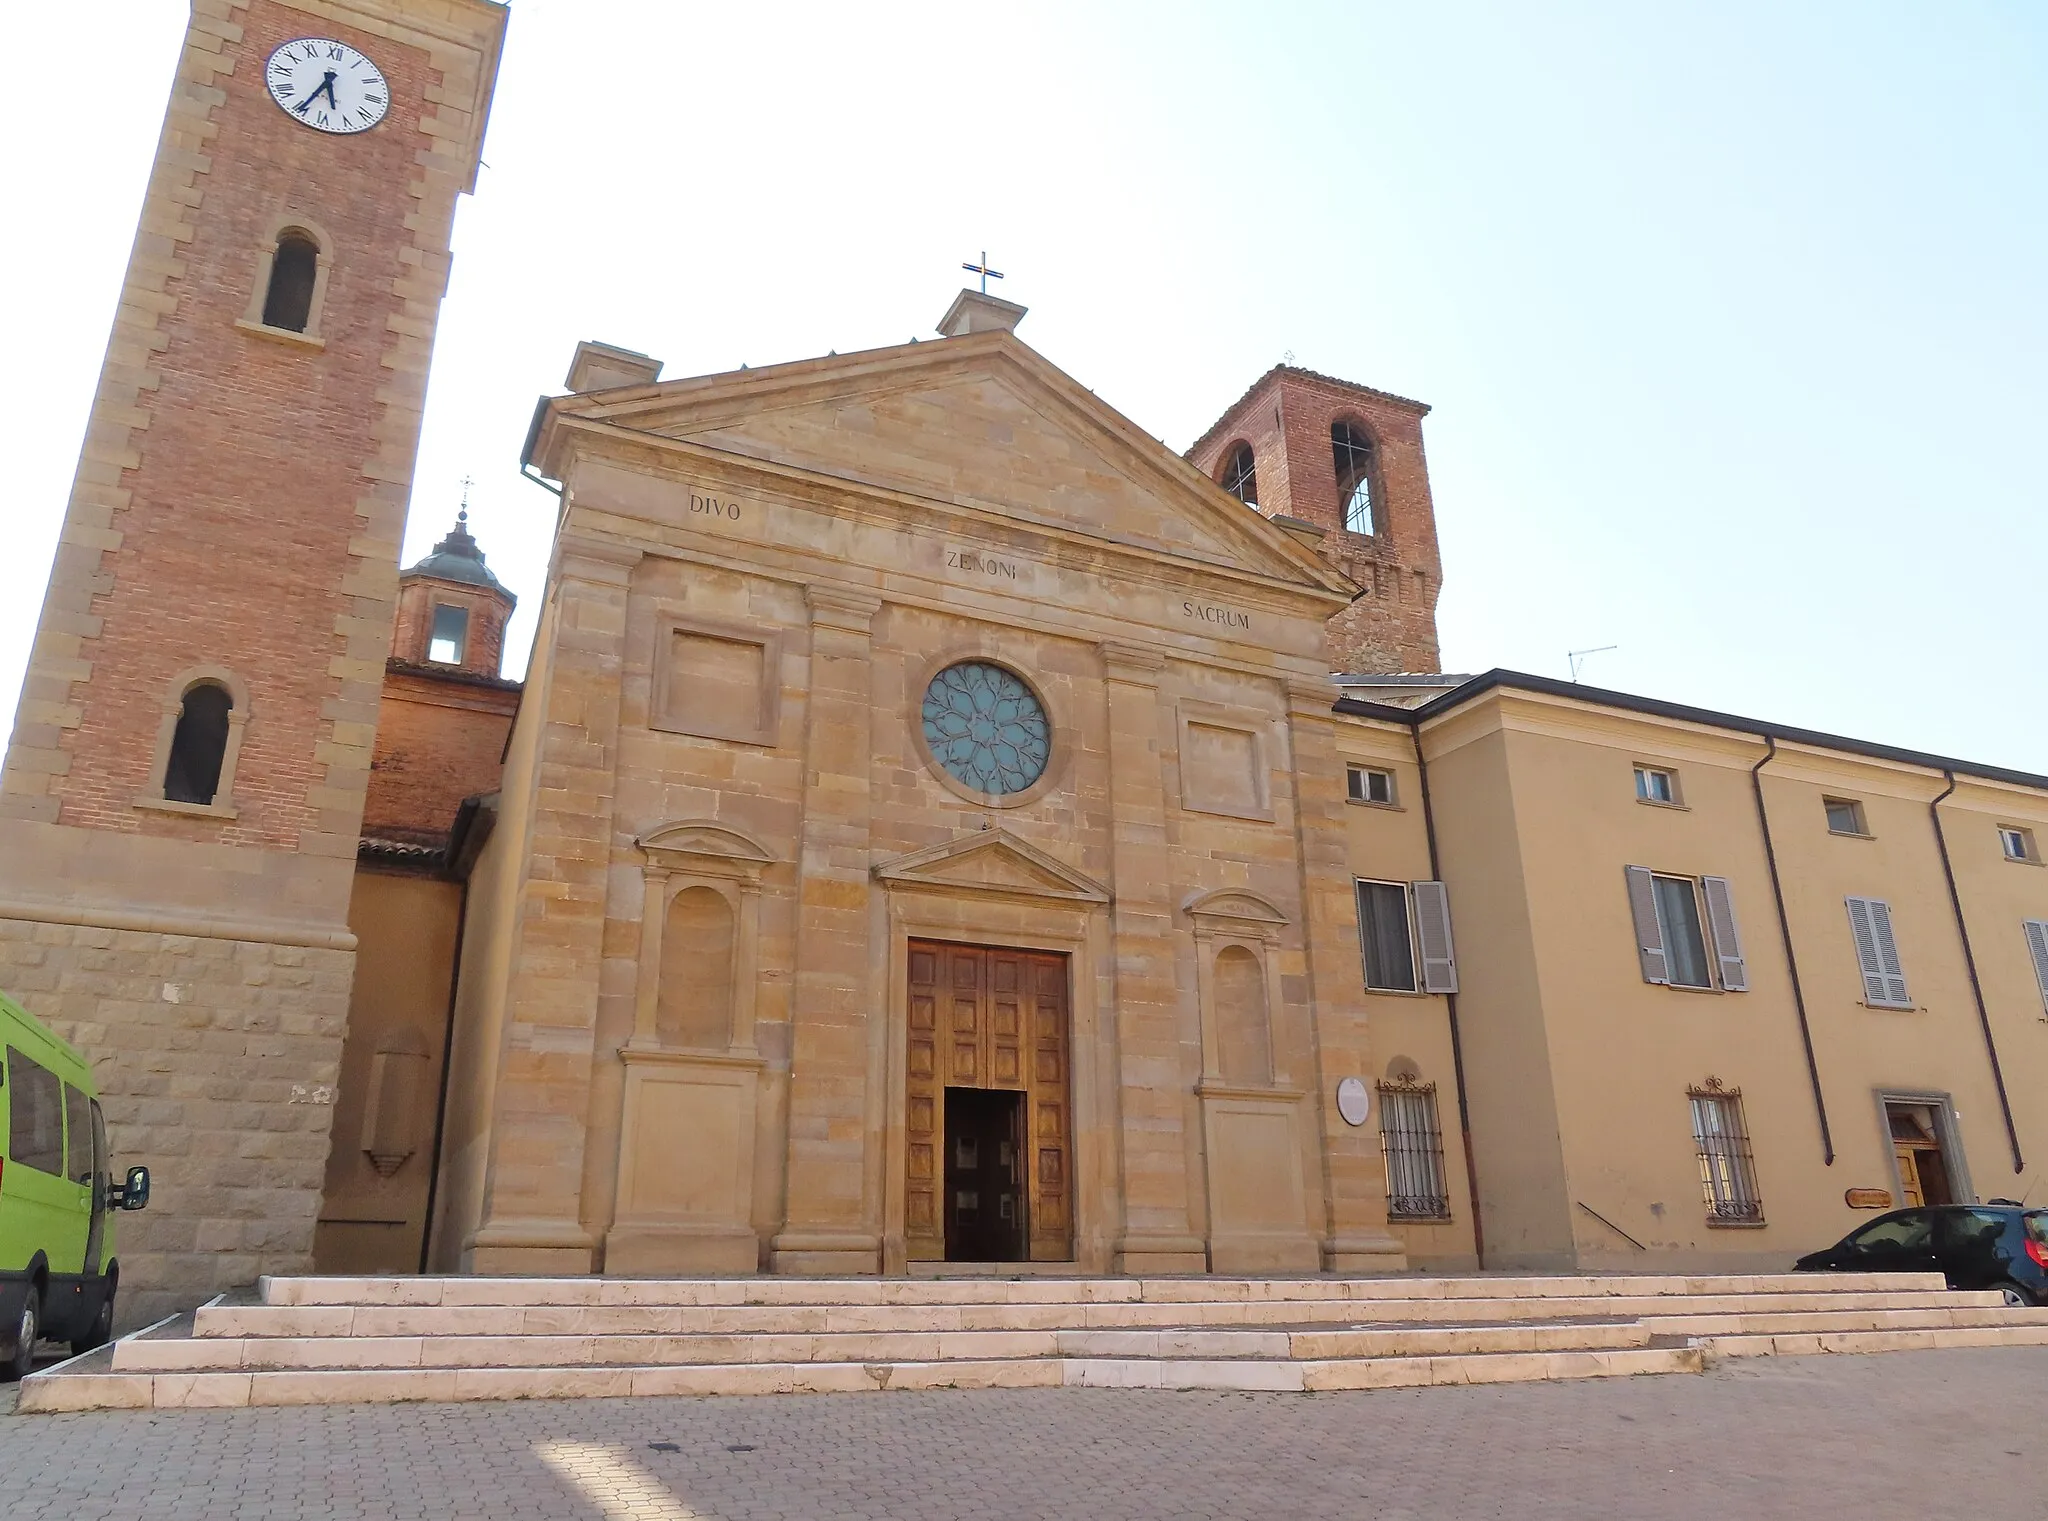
984, 271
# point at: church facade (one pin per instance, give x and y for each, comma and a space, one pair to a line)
928, 829
922, 838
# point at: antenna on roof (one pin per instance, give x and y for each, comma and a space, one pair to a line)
1577, 658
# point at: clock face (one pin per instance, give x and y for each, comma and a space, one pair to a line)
327, 85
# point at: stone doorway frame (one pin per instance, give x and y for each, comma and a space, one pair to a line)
989, 888
1954, 1160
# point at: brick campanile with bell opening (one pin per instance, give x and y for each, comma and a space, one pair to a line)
184, 788
1343, 464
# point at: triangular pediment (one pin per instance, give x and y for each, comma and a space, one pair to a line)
991, 861
982, 422
1235, 905
705, 838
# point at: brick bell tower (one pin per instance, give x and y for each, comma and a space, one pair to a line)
1346, 461
182, 795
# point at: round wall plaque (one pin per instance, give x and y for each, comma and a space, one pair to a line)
1354, 1101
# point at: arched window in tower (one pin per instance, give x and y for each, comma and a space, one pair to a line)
198, 746
288, 304
1241, 475
1353, 457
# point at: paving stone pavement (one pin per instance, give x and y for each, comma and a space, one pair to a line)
1908, 1434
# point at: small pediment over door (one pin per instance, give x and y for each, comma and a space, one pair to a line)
705, 845
995, 862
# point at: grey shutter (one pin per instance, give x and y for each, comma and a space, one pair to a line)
2037, 944
1433, 930
1727, 939
1642, 900
1877, 952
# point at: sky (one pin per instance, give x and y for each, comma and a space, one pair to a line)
1733, 317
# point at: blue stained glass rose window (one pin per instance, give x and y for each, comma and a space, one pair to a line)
986, 728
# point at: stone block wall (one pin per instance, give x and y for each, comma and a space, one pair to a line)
216, 1062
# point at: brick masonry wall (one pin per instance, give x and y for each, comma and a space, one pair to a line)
439, 740
241, 556
1286, 418
240, 501
217, 1061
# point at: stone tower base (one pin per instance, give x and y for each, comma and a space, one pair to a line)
216, 1061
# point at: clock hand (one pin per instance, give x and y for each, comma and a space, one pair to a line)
325, 87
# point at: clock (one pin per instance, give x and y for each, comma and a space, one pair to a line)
327, 85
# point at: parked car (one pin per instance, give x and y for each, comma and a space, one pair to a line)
2000, 1246
58, 1272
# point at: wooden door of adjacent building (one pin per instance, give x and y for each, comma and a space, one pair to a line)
989, 1017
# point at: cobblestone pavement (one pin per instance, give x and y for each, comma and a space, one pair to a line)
1909, 1434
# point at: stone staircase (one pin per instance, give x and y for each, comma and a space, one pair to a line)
341, 1340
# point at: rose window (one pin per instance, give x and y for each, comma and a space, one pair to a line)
986, 728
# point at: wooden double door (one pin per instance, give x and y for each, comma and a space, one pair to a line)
990, 1168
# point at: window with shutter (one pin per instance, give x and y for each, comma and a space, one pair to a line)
1642, 902
2037, 946
1386, 937
1727, 939
1433, 933
1877, 953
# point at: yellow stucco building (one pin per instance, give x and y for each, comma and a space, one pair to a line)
1720, 984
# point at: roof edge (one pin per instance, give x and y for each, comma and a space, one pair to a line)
1230, 413
1654, 707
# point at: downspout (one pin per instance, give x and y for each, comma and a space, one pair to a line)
1451, 1004
1763, 818
1955, 899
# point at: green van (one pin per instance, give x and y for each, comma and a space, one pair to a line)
57, 1267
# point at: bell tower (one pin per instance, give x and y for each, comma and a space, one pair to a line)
183, 790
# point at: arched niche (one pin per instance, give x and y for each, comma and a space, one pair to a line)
1237, 933
686, 1186
699, 925
1244, 1039
695, 984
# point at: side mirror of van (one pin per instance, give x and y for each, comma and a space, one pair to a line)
134, 1194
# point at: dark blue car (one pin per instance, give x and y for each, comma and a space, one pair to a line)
1975, 1246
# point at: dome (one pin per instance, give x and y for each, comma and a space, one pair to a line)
457, 558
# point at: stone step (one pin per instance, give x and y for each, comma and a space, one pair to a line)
667, 1320
1772, 1322
1810, 1343
55, 1391
213, 1354
982, 1291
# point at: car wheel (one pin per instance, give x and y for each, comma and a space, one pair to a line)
27, 1329
101, 1331
2015, 1296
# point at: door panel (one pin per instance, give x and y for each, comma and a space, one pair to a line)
983, 1017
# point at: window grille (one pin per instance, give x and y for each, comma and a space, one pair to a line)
1352, 456
1414, 1147
1727, 1169
1241, 476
